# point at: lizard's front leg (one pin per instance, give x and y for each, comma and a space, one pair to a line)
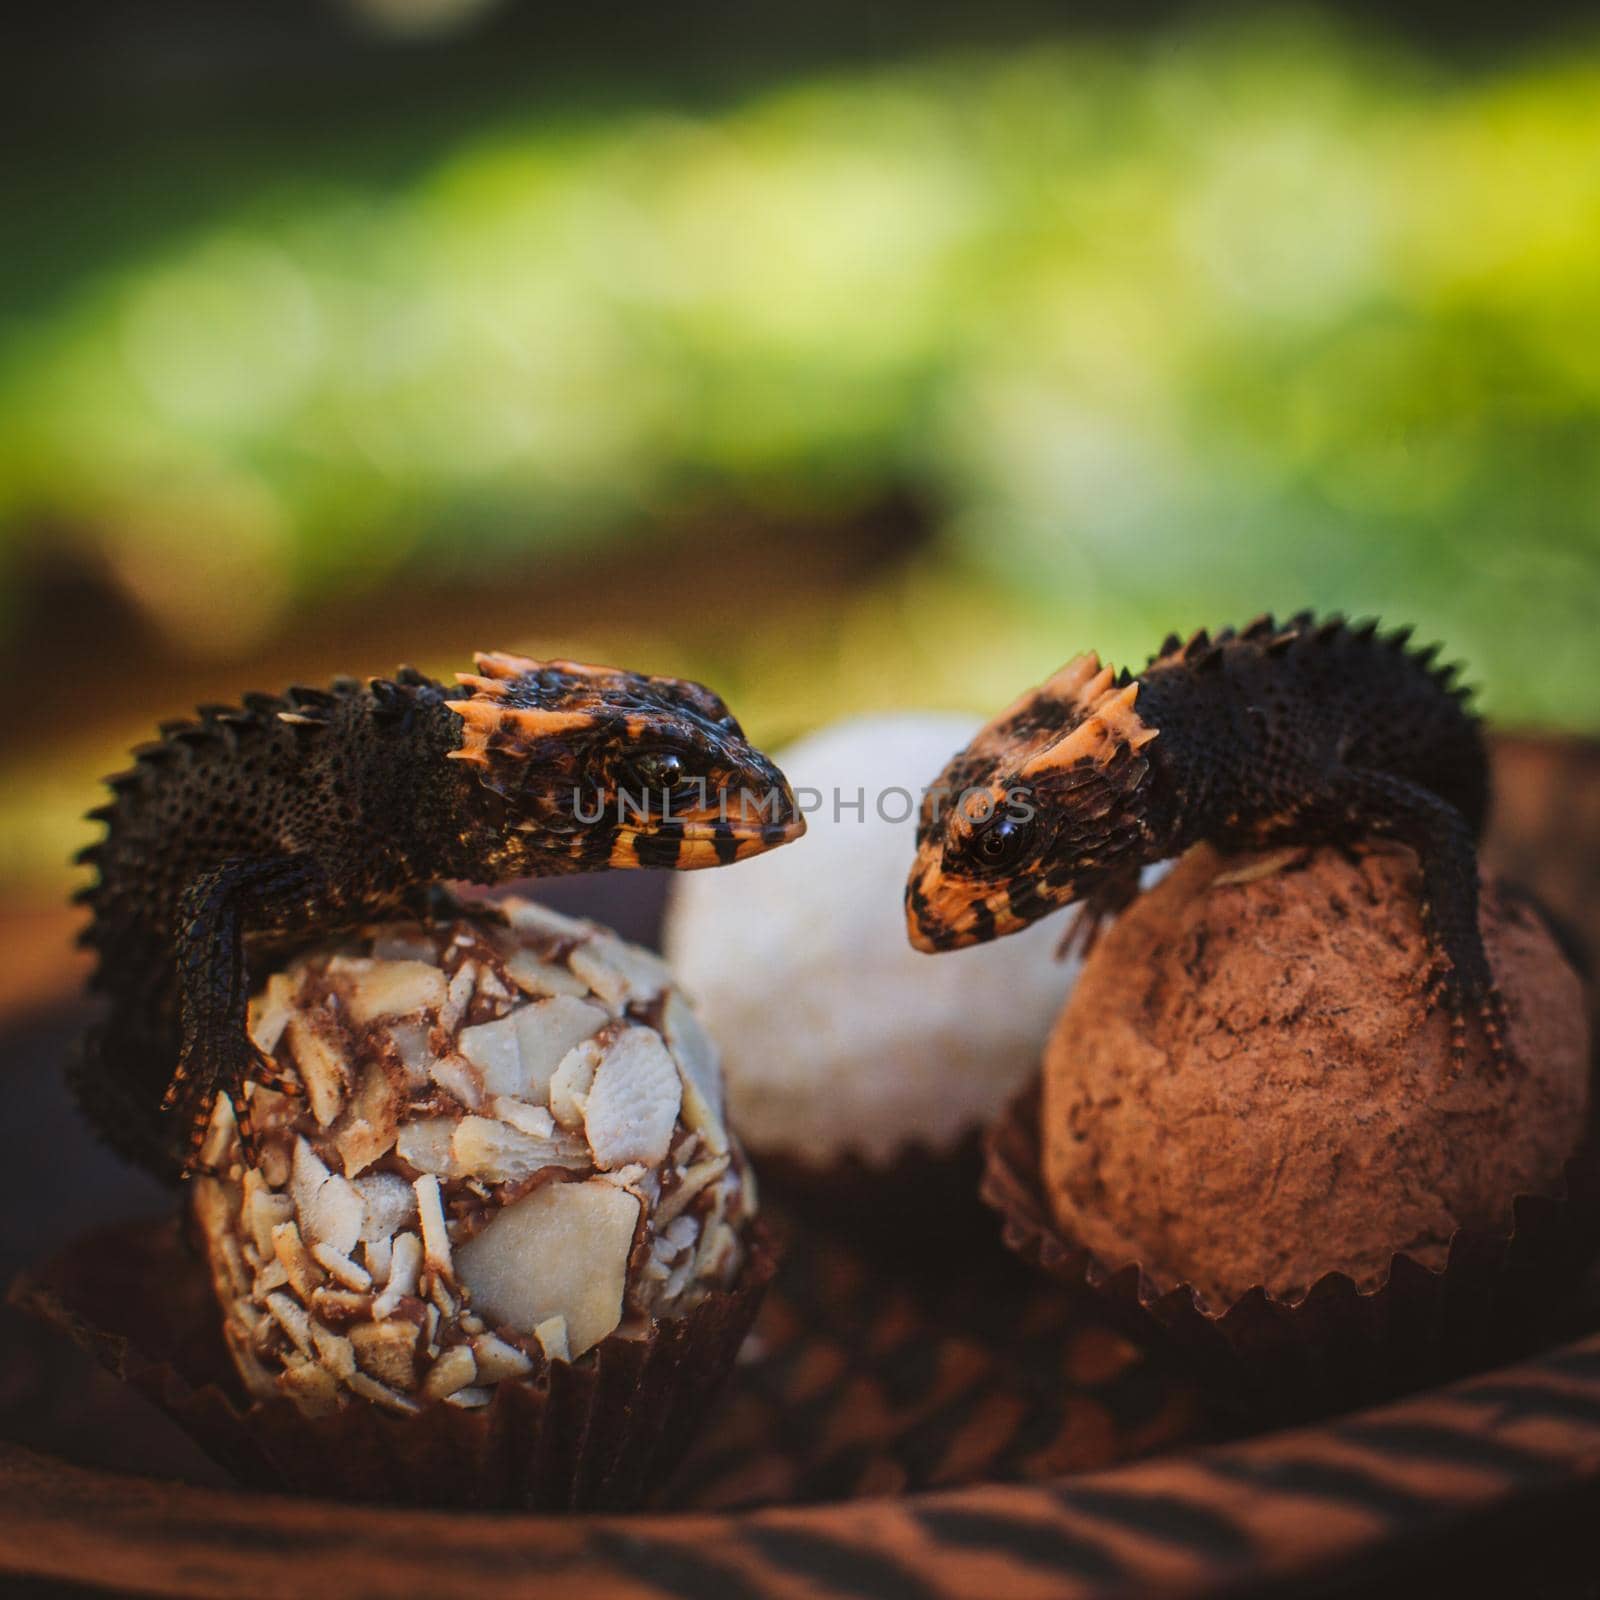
216, 1054
1377, 803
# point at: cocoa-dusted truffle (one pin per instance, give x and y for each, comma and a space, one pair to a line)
509, 1149
1242, 1089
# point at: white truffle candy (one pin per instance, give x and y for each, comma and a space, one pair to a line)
497, 1160
836, 1036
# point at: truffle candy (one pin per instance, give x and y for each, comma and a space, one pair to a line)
508, 1148
1243, 1089
839, 1040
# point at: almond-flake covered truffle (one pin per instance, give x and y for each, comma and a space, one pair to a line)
508, 1143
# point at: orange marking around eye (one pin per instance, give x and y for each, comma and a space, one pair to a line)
972, 812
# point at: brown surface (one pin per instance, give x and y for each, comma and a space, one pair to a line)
1243, 1089
1521, 1447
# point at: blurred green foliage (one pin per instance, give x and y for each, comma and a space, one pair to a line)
1166, 330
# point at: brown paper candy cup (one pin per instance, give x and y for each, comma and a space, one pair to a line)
1499, 1294
600, 1433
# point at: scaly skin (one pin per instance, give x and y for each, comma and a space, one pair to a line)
1301, 734
254, 829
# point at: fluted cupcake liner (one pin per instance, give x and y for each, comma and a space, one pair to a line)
596, 1434
1337, 1345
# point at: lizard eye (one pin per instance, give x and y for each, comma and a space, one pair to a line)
657, 769
1003, 841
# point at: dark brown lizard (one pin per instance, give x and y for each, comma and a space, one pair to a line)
1304, 732
252, 829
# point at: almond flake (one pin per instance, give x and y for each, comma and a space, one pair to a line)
469, 1398
569, 1087
534, 1120
272, 1275
697, 1060
389, 1204
405, 1270
678, 1279
329, 1208
680, 1233
379, 1394
455, 1369
492, 1048
560, 1251
312, 1389
316, 1041
275, 1165
618, 971
719, 1250
496, 1359
217, 1146
341, 1267
537, 977
459, 1078
269, 1012
528, 916
521, 1051
213, 1206
425, 1143
489, 983
435, 1236
263, 1210
335, 1352
500, 1153
341, 1303
694, 1179
634, 1100
443, 1301
380, 1255
371, 1120
291, 1317
413, 1044
388, 1350
389, 988
553, 1340
295, 1259
458, 998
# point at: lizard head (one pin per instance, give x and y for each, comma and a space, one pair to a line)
1040, 806
582, 767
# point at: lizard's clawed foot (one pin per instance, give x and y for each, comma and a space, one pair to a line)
271, 1076
191, 1098
1442, 986
1096, 911
1083, 931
